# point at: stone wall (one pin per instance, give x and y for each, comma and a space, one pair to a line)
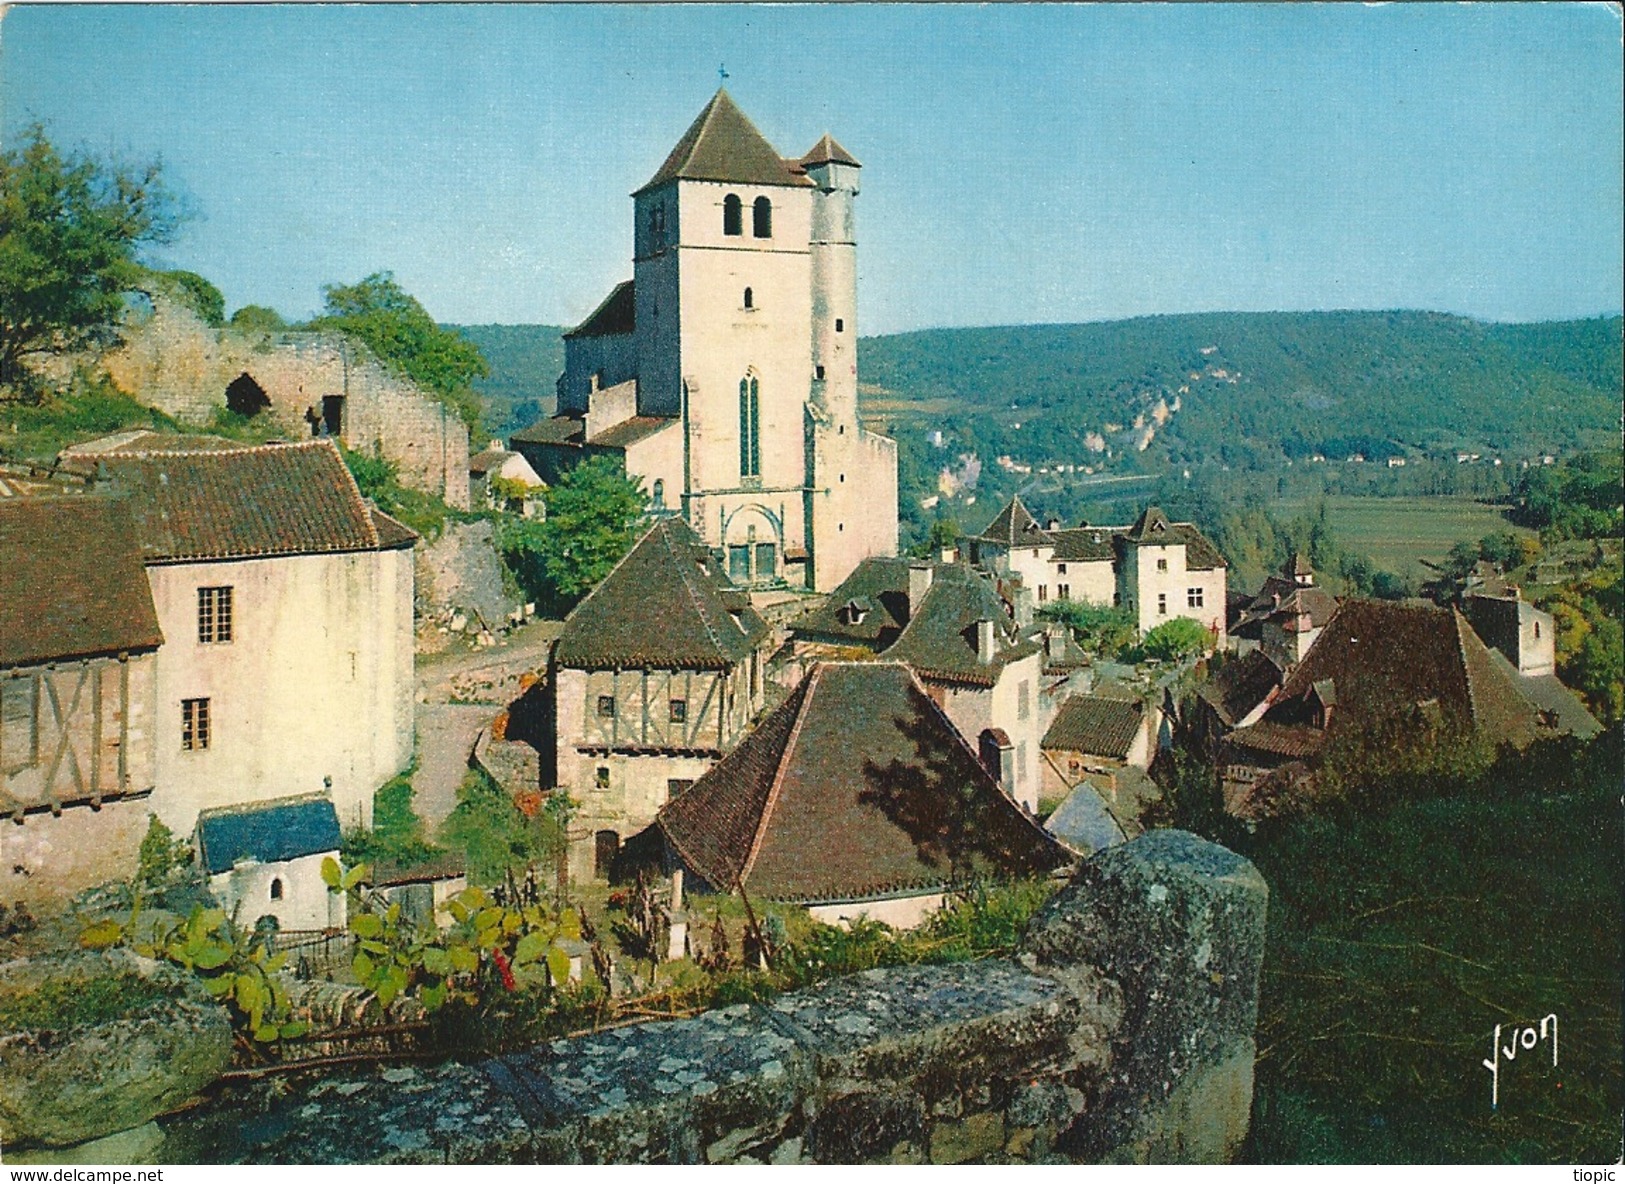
176, 363
1122, 1032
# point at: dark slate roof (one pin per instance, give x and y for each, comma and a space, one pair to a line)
270, 832
71, 581
1013, 526
557, 429
827, 151
665, 606
939, 640
1084, 823
856, 787
880, 587
617, 315
246, 502
1200, 554
487, 459
630, 431
1240, 685
1153, 527
1097, 726
445, 865
1389, 657
722, 144
1081, 544
1566, 714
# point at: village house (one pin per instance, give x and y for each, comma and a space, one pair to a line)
78, 656
264, 859
1109, 737
999, 684
502, 480
1385, 674
723, 375
285, 604
1286, 616
656, 675
1159, 570
856, 797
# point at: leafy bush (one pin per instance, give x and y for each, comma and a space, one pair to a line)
1100, 629
592, 512
256, 318
92, 407
162, 856
496, 835
1175, 640
194, 292
379, 479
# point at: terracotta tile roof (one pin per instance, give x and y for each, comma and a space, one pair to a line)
391, 534
723, 145
557, 429
71, 581
614, 316
1096, 726
1240, 685
1013, 526
1387, 657
828, 151
857, 786
446, 865
630, 431
1294, 741
246, 502
269, 832
665, 606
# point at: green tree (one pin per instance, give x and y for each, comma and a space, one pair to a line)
193, 291
592, 511
1100, 629
70, 231
258, 318
378, 312
1176, 639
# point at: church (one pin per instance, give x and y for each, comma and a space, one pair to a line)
724, 374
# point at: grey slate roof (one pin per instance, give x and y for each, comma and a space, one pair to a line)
665, 606
827, 151
879, 586
857, 786
269, 832
615, 315
1546, 692
1084, 823
1013, 526
722, 144
940, 638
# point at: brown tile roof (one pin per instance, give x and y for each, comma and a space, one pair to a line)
146, 440
828, 151
1240, 685
487, 459
615, 315
857, 786
1294, 741
1013, 526
557, 429
391, 534
246, 502
663, 607
1388, 657
1153, 527
878, 587
1081, 544
71, 581
723, 145
1096, 726
1200, 554
1562, 711
939, 640
630, 431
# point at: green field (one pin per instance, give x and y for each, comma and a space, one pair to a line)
1397, 533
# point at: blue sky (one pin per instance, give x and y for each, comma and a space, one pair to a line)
1023, 164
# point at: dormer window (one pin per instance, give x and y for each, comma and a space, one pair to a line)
733, 216
761, 218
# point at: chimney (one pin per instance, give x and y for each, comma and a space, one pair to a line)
984, 641
919, 583
1054, 639
950, 555
1053, 524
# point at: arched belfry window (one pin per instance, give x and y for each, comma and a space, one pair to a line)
761, 218
750, 298
733, 215
750, 422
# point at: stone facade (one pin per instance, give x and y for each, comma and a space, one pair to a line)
308, 384
1123, 1032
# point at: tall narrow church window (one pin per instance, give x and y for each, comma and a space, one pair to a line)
750, 444
733, 220
750, 299
761, 218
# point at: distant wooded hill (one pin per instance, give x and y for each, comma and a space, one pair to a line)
1236, 388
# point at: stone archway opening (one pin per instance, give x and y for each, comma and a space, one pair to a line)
246, 397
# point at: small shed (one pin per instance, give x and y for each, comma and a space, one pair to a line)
264, 859
421, 887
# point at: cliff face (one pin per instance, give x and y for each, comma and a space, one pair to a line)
306, 383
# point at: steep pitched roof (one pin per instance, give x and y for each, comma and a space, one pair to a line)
722, 144
940, 640
1240, 686
1013, 526
661, 608
878, 587
1084, 822
269, 832
1387, 657
1152, 527
1096, 725
71, 581
857, 786
616, 315
827, 151
245, 502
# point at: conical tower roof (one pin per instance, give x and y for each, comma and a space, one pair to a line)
722, 144
828, 151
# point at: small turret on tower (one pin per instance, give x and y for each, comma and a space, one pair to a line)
834, 249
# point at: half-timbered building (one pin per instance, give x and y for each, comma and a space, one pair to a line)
656, 675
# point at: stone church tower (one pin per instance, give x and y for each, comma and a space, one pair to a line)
725, 372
